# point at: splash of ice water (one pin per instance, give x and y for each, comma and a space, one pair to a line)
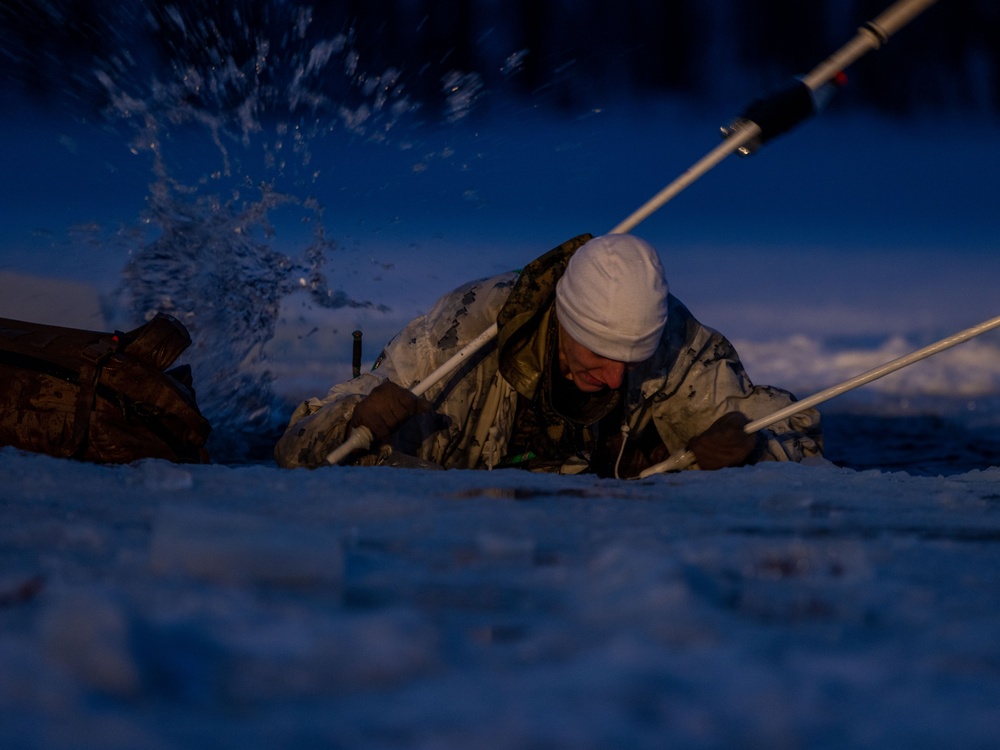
260, 95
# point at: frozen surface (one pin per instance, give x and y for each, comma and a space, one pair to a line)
156, 605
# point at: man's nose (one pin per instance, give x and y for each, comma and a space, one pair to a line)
612, 374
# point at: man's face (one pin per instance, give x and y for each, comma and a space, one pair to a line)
589, 372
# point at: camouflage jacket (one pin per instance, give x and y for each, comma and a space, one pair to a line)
503, 406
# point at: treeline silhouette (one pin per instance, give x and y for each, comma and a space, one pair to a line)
558, 53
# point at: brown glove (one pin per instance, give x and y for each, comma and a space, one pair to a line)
386, 408
724, 443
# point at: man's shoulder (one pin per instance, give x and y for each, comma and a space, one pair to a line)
683, 336
489, 291
467, 310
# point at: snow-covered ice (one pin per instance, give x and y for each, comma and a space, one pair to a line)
155, 605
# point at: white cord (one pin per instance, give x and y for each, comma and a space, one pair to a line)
621, 451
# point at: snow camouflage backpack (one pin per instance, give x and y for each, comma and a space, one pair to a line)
100, 397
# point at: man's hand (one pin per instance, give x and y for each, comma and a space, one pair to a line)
386, 408
724, 443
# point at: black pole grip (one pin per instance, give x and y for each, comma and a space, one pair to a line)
782, 110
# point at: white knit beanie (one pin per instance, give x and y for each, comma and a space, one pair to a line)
612, 298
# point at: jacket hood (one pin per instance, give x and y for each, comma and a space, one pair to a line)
524, 320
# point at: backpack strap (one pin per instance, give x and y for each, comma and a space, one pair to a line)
92, 360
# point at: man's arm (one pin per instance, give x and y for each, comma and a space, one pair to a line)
705, 381
318, 426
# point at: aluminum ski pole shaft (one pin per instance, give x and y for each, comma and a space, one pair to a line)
361, 437
870, 37
456, 360
683, 459
747, 132
779, 113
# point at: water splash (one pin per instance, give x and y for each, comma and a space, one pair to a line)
213, 268
210, 254
461, 91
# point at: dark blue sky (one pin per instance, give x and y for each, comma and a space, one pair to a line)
701, 49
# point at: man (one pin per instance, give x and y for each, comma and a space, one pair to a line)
596, 367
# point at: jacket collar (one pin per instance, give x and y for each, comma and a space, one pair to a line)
525, 320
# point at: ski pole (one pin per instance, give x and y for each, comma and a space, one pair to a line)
741, 136
356, 354
768, 118
684, 458
870, 36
